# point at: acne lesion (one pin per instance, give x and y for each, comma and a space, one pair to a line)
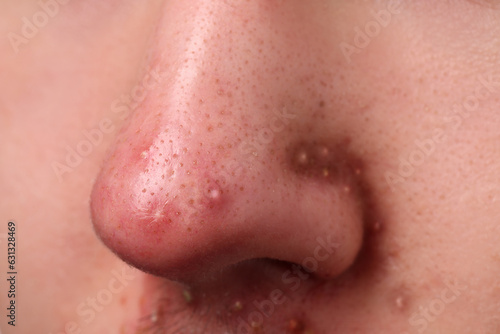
298, 326
319, 161
237, 306
187, 295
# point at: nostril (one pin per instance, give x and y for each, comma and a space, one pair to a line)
306, 269
259, 274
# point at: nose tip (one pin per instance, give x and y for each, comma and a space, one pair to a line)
194, 184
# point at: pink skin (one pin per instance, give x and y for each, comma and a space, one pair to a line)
264, 175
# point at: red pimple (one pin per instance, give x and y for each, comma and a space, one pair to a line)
295, 326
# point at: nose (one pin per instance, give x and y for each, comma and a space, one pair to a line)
227, 159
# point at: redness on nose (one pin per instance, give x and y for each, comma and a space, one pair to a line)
170, 211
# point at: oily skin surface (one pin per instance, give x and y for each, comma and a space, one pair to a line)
439, 223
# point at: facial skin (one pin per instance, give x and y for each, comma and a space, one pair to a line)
267, 167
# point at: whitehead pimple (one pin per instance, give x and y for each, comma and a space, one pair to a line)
400, 302
188, 297
302, 158
213, 191
154, 317
400, 299
237, 306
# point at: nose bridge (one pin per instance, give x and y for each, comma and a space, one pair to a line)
220, 100
217, 45
227, 55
